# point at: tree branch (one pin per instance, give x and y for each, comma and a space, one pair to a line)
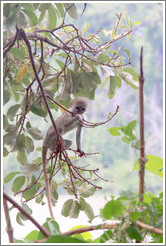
44, 231
141, 113
149, 227
9, 228
110, 226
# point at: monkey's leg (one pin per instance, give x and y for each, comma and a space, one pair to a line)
67, 143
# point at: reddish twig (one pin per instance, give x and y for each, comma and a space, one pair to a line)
89, 124
118, 21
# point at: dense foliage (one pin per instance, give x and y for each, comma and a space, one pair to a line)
69, 62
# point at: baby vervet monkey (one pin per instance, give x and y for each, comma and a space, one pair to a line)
64, 123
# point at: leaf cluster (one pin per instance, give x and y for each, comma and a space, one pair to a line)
125, 211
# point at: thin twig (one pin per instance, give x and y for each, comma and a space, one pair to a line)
11, 43
89, 124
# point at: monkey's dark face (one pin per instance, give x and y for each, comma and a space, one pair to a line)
79, 109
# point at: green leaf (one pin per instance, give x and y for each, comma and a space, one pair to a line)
32, 236
131, 25
133, 72
115, 81
133, 233
9, 137
113, 33
135, 216
64, 239
18, 183
60, 63
87, 81
36, 5
18, 219
5, 123
148, 197
51, 226
104, 82
21, 157
106, 236
44, 6
107, 71
154, 165
20, 141
55, 195
71, 9
127, 19
27, 209
35, 133
82, 203
123, 27
83, 235
67, 207
103, 57
127, 52
136, 23
75, 209
17, 53
90, 64
11, 175
6, 9
52, 18
88, 191
114, 131
6, 96
85, 28
60, 9
113, 209
128, 37
28, 6
127, 77
42, 15
29, 144
39, 199
31, 192
89, 211
32, 17
12, 112
38, 111
5, 152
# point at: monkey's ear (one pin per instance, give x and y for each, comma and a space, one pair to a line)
71, 103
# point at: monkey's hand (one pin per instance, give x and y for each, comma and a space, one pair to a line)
81, 153
78, 117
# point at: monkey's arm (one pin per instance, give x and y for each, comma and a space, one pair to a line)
78, 138
74, 120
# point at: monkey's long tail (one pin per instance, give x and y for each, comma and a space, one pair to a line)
48, 193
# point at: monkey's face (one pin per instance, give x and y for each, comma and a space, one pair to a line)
79, 109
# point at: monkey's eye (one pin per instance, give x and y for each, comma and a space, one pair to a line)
77, 108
